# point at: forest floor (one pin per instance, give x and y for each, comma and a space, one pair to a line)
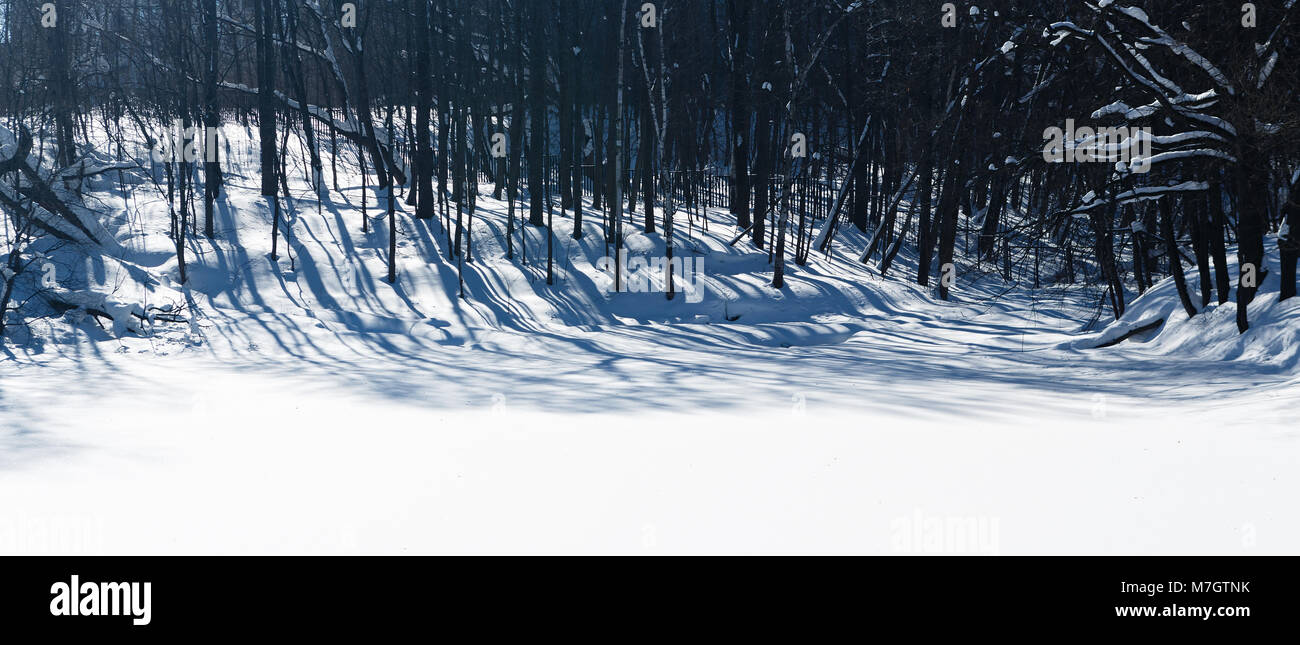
311, 406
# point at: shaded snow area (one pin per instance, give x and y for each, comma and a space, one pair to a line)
307, 405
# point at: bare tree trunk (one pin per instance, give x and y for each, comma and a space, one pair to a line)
1251, 183
537, 119
367, 124
739, 13
947, 224
212, 179
267, 19
423, 104
63, 88
1218, 245
617, 132
1289, 243
1175, 260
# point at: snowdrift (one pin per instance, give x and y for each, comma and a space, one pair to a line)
1157, 324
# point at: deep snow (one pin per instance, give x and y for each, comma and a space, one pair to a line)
323, 410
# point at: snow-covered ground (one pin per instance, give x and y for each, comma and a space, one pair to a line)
321, 409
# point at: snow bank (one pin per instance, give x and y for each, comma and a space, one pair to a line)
1212, 334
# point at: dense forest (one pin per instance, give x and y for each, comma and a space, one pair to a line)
1110, 142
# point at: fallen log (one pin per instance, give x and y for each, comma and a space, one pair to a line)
36, 189
1131, 333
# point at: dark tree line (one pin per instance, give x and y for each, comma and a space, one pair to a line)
923, 123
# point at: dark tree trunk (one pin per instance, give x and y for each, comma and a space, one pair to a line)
563, 55
924, 239
862, 173
61, 85
364, 115
1218, 245
1251, 183
1197, 214
267, 20
1175, 260
1289, 244
537, 119
762, 173
741, 122
948, 203
212, 179
423, 104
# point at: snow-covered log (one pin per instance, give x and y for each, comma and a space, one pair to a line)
53, 214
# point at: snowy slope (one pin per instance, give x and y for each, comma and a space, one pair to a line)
1270, 345
319, 408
